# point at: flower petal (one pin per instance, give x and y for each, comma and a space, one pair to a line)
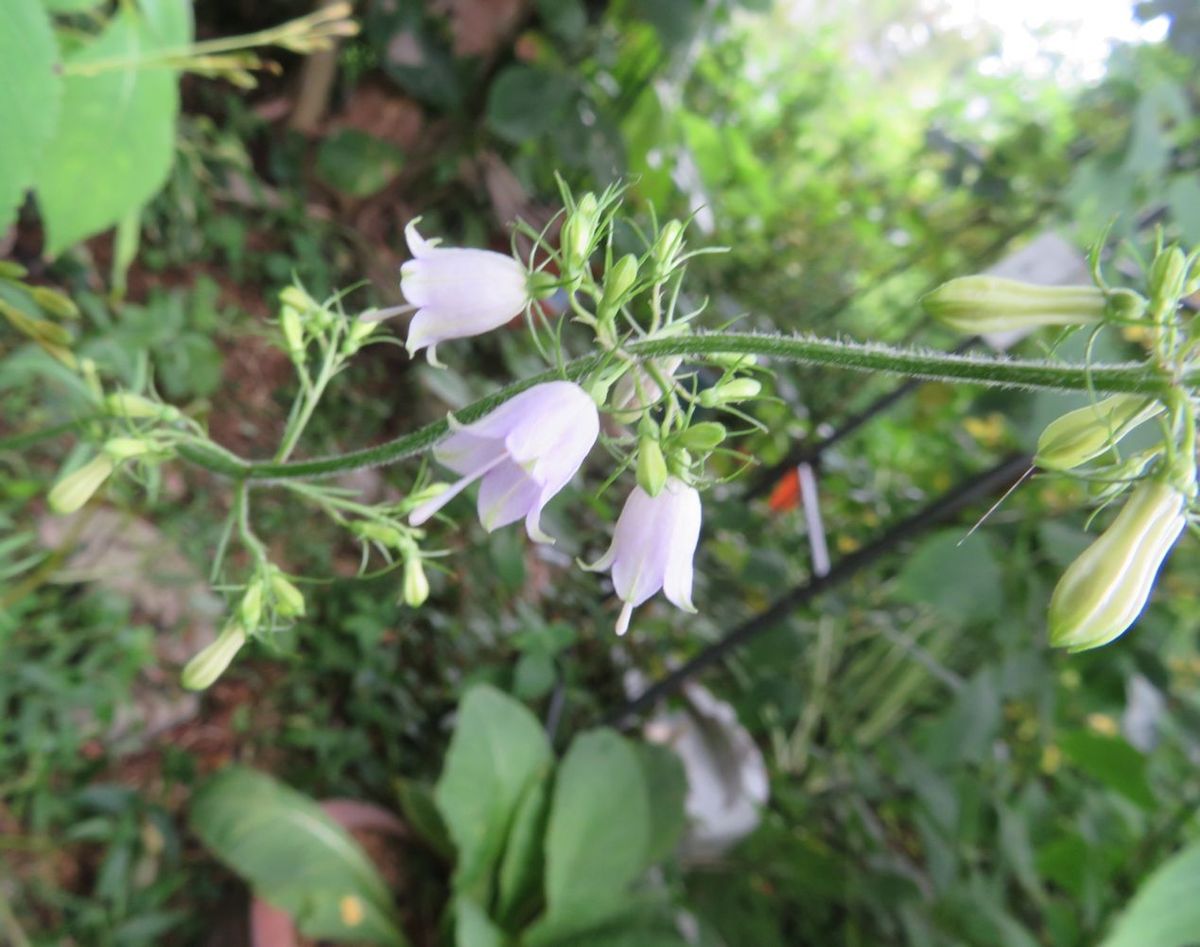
426, 510
506, 494
685, 534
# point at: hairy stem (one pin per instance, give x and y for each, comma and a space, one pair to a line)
990, 371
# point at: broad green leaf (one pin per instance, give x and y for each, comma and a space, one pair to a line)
417, 806
357, 164
666, 788
30, 102
473, 928
295, 857
1111, 761
1183, 196
960, 578
525, 102
599, 833
116, 135
498, 751
521, 867
1165, 912
70, 6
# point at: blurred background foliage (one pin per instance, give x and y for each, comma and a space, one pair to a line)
937, 775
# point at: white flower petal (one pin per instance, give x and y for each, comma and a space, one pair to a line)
506, 494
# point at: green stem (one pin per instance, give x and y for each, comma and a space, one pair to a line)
984, 370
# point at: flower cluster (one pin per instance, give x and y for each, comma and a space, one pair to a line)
529, 448
1102, 593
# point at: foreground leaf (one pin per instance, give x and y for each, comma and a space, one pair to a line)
1165, 912
295, 857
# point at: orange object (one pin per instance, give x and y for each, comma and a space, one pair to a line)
786, 495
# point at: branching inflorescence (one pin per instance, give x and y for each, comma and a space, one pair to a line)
637, 391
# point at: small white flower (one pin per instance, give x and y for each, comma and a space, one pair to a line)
522, 453
653, 546
458, 292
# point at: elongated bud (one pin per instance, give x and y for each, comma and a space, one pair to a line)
701, 437
977, 304
617, 283
1167, 276
53, 302
1086, 433
730, 392
575, 238
250, 609
293, 333
289, 602
416, 586
667, 246
298, 299
125, 404
382, 533
202, 671
1105, 589
732, 360
126, 448
651, 467
76, 488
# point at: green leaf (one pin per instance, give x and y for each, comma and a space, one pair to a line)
1111, 761
960, 578
1183, 197
498, 751
666, 788
521, 867
116, 136
295, 857
1165, 911
599, 834
70, 6
473, 928
29, 107
525, 102
357, 164
417, 806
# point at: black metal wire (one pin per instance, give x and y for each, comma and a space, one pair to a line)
1003, 475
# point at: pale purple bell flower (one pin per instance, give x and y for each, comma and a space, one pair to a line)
458, 292
653, 546
522, 453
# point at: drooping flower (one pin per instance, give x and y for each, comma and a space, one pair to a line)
459, 292
653, 546
522, 453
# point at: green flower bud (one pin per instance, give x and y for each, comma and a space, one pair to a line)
297, 299
126, 448
1167, 276
289, 602
667, 246
617, 283
729, 392
210, 663
1105, 589
76, 488
651, 467
732, 360
250, 609
382, 533
701, 437
977, 304
125, 404
1081, 435
578, 231
53, 302
293, 332
415, 589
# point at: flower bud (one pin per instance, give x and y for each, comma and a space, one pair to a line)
126, 448
251, 607
729, 392
293, 332
1085, 433
667, 246
76, 488
210, 663
617, 283
297, 299
125, 404
1167, 276
977, 304
415, 589
376, 532
289, 602
53, 302
701, 437
578, 230
651, 466
1105, 589
732, 360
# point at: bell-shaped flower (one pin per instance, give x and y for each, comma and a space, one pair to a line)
459, 292
522, 453
653, 546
